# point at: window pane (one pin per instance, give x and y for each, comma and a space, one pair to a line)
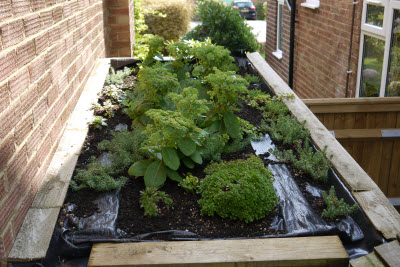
375, 15
393, 77
280, 30
371, 71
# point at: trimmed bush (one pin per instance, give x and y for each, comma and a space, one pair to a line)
261, 10
240, 189
169, 19
224, 26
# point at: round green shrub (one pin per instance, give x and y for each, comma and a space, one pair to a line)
240, 189
224, 26
169, 19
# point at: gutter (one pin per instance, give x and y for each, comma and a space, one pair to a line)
349, 71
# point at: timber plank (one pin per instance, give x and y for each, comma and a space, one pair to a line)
371, 120
298, 251
339, 121
370, 260
360, 121
352, 101
349, 120
389, 253
394, 176
329, 121
380, 211
359, 134
370, 198
384, 172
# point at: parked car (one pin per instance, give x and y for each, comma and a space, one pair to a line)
246, 8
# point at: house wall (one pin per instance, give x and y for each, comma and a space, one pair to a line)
322, 41
47, 50
280, 66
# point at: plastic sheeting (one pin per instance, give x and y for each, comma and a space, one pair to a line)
295, 218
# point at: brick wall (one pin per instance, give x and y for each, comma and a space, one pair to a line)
120, 17
47, 50
322, 41
281, 66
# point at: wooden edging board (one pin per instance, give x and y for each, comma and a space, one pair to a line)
353, 105
370, 198
297, 251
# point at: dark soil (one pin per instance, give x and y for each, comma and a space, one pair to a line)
185, 213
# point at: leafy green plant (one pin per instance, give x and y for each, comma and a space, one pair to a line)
148, 47
214, 146
226, 90
273, 109
172, 138
208, 57
117, 77
107, 108
124, 148
336, 208
98, 122
288, 130
150, 198
97, 177
240, 189
191, 184
261, 10
114, 92
154, 83
316, 164
224, 26
252, 78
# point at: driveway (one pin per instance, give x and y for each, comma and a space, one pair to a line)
259, 28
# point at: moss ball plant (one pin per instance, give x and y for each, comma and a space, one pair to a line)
240, 189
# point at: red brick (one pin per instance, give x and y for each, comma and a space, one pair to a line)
69, 41
56, 130
119, 11
56, 72
44, 84
3, 187
67, 11
7, 64
19, 83
51, 57
23, 208
36, 69
16, 167
7, 238
50, 2
20, 7
37, 4
54, 35
46, 18
7, 149
43, 151
41, 42
40, 111
5, 9
52, 95
71, 24
25, 53
47, 122
4, 96
12, 33
29, 98
33, 141
10, 118
32, 24
57, 14
23, 128
63, 28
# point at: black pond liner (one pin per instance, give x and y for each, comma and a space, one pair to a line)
71, 244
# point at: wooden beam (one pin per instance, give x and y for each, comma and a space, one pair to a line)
370, 260
353, 105
366, 134
389, 253
372, 201
298, 251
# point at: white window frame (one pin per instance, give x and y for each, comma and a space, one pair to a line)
278, 52
313, 4
384, 33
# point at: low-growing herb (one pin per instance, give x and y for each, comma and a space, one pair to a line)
191, 184
252, 78
118, 77
98, 122
288, 130
150, 199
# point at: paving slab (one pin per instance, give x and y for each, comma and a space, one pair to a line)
32, 240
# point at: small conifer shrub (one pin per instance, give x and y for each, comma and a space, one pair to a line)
150, 199
336, 208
